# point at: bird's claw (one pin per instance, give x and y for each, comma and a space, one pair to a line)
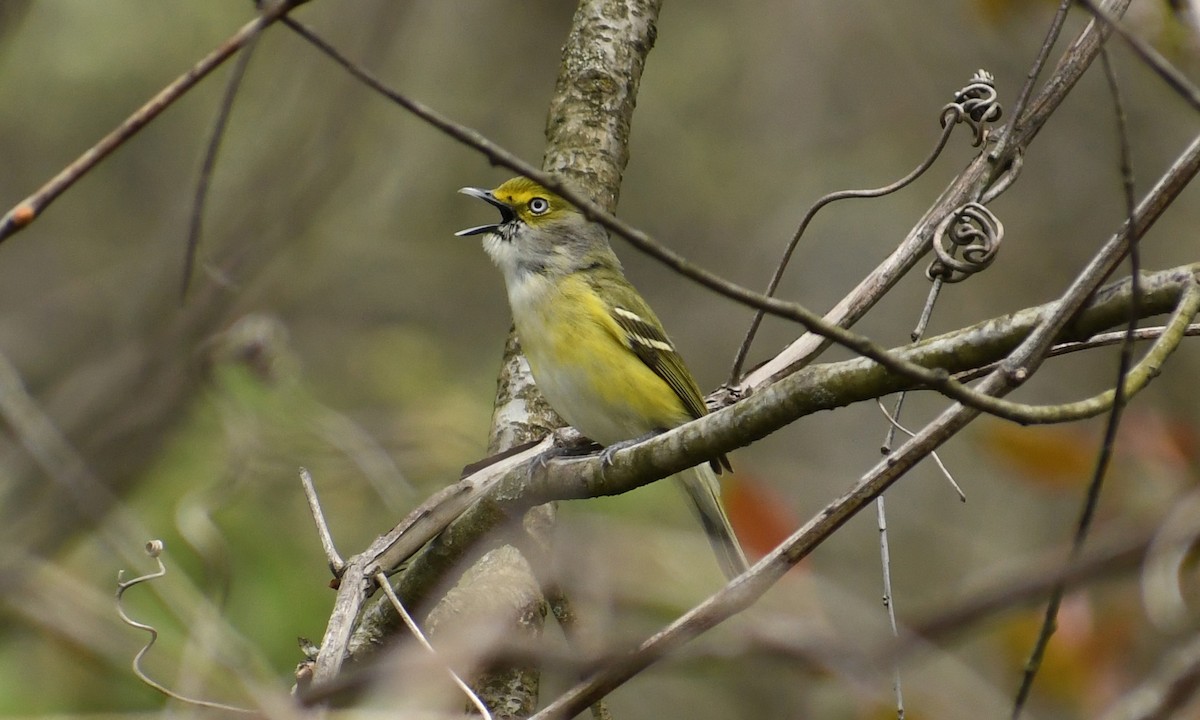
563, 446
608, 454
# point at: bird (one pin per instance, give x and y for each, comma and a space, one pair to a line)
597, 351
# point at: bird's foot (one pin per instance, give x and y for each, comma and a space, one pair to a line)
567, 443
607, 454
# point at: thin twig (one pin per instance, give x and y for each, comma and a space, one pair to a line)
1039, 62
889, 600
29, 209
1092, 496
1096, 341
224, 110
1159, 64
895, 424
336, 564
383, 583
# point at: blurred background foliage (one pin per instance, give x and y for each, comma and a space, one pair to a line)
334, 323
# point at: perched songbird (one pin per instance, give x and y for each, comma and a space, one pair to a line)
596, 349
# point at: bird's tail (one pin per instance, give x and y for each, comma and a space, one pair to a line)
704, 490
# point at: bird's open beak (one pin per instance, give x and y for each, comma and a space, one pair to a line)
506, 213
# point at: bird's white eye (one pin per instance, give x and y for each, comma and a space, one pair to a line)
539, 205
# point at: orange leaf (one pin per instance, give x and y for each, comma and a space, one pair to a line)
1051, 457
759, 514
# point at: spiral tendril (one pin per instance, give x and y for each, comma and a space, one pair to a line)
965, 242
977, 104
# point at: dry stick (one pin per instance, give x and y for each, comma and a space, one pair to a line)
393, 548
745, 590
382, 581
29, 209
894, 424
1096, 341
336, 564
1035, 70
1092, 496
889, 603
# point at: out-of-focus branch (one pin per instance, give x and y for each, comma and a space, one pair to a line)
28, 210
1169, 688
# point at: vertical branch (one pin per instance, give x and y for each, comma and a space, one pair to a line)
587, 130
587, 143
587, 134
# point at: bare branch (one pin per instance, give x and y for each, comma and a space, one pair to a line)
1159, 64
224, 110
28, 210
1171, 687
336, 564
1118, 400
382, 581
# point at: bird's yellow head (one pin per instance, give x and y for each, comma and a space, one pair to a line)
538, 231
520, 200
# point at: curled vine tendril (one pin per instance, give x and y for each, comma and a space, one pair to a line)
977, 104
965, 242
154, 549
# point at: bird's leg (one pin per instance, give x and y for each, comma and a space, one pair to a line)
606, 455
567, 442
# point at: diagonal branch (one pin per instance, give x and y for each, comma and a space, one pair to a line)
29, 209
